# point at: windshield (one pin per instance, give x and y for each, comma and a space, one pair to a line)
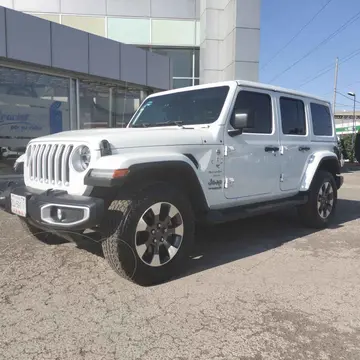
201, 106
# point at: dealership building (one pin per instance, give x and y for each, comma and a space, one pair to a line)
68, 64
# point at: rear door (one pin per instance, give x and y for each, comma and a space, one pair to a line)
295, 146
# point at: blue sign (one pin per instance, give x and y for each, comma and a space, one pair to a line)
56, 124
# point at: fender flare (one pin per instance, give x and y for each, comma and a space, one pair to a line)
315, 162
21, 158
155, 167
18, 166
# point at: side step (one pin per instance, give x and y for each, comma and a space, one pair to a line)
245, 211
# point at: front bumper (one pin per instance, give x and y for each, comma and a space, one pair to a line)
53, 209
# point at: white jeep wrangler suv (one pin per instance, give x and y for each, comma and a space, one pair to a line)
210, 153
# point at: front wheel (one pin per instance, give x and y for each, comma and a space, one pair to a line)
154, 235
320, 208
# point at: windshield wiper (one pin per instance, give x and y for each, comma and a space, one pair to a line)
165, 123
141, 125
168, 123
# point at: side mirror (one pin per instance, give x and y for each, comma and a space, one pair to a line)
239, 122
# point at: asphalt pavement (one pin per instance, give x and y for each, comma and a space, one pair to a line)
262, 288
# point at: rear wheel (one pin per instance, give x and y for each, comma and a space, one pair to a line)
320, 208
153, 237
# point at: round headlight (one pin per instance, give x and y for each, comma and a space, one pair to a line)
81, 158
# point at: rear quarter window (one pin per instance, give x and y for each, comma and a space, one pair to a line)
321, 120
293, 120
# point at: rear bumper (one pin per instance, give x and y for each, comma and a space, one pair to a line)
53, 209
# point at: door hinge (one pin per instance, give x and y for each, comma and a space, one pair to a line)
229, 182
228, 150
281, 177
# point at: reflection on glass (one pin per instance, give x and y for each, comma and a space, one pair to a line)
185, 62
125, 103
188, 107
31, 105
197, 63
180, 83
182, 60
94, 105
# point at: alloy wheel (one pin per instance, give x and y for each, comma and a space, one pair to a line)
325, 200
159, 234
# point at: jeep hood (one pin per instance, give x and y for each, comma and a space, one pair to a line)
133, 137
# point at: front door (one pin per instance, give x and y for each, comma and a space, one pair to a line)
294, 141
252, 161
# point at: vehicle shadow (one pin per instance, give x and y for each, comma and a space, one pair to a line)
350, 168
222, 244
90, 242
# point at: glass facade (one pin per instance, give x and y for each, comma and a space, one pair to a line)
124, 105
101, 106
185, 63
168, 27
90, 24
129, 31
94, 105
173, 32
33, 104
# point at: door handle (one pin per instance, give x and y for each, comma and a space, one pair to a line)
304, 148
271, 148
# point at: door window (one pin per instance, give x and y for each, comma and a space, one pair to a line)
259, 109
293, 120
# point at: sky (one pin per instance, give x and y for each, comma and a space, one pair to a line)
282, 19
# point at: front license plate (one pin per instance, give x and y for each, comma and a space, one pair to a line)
18, 205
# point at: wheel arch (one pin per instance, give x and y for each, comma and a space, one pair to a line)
326, 162
178, 173
181, 173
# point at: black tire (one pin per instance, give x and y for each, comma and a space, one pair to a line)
119, 247
309, 213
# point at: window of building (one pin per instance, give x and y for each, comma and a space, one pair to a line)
179, 83
292, 116
124, 104
259, 109
201, 106
94, 105
197, 63
31, 105
91, 24
172, 32
185, 63
182, 60
321, 120
129, 31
